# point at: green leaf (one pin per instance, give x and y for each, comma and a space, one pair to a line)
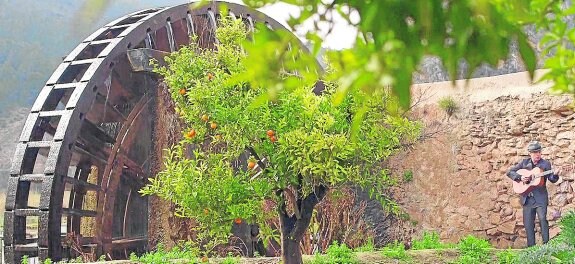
527, 54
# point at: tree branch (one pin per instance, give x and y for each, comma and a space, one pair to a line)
308, 205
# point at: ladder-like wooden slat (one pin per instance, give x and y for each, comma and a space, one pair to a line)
78, 212
83, 184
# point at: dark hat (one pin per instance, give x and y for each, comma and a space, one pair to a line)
534, 146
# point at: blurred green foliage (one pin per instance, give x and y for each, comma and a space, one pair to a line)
394, 36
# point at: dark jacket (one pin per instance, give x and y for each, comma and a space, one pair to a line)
540, 192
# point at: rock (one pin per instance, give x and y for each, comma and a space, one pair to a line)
453, 220
569, 207
503, 198
507, 228
486, 156
516, 131
493, 196
519, 244
510, 152
562, 143
464, 211
569, 135
507, 211
508, 218
497, 206
484, 167
521, 232
502, 243
493, 232
560, 200
555, 214
502, 188
515, 202
564, 187
553, 232
495, 218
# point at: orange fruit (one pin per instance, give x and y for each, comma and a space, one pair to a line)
206, 211
213, 125
251, 165
273, 139
205, 118
218, 137
270, 133
238, 221
210, 76
182, 91
204, 259
191, 134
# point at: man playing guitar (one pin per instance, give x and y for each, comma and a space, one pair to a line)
536, 198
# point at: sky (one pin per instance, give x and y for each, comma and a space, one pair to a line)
342, 36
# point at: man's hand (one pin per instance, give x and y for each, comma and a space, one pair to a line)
526, 179
558, 171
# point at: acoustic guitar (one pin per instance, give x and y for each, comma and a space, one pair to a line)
536, 175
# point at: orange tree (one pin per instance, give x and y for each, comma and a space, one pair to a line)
299, 145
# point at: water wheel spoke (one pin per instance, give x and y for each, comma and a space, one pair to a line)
78, 212
83, 185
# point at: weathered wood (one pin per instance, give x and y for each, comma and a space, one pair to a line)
140, 59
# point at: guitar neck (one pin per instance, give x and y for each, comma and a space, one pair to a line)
543, 174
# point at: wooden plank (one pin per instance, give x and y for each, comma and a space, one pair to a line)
78, 212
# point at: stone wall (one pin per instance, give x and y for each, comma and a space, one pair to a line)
459, 185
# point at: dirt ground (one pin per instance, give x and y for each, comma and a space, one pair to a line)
426, 256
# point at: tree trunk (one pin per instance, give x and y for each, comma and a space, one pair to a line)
293, 227
291, 251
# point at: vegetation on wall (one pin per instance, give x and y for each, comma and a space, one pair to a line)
448, 105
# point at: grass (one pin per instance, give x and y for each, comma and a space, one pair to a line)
437, 256
427, 249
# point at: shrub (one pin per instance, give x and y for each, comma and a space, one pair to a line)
560, 249
473, 250
161, 255
395, 250
448, 105
544, 253
430, 240
506, 257
231, 260
367, 247
407, 176
567, 224
336, 254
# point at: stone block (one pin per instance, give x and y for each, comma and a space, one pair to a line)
515, 202
569, 135
493, 232
560, 200
495, 219
554, 231
506, 211
507, 227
